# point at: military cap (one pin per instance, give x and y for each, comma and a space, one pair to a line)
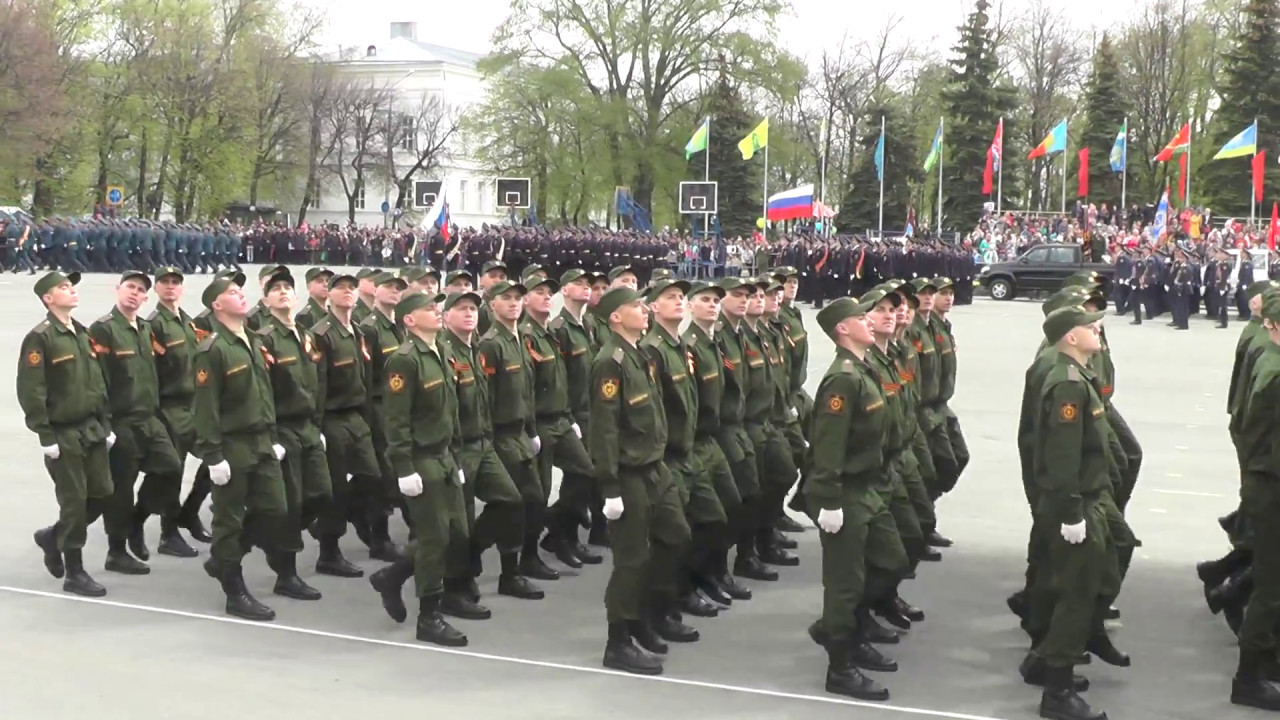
615, 299
503, 286
493, 265
53, 279
1271, 309
730, 284
891, 285
455, 274
413, 301
1065, 319
455, 298
837, 311
131, 274
315, 272
412, 274
383, 278
942, 283
615, 272
876, 294
282, 273
922, 284
366, 272
656, 289
226, 273
336, 278
531, 270
267, 271
534, 281
573, 275
659, 274
167, 270
1082, 280
702, 286
1259, 287
784, 272
770, 284
219, 286
1066, 297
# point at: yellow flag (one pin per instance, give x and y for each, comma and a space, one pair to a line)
758, 139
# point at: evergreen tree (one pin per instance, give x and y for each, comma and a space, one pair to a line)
1250, 90
859, 208
973, 105
738, 188
1105, 105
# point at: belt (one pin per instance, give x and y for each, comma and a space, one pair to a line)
549, 418
475, 440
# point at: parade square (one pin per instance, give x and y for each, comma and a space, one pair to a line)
159, 646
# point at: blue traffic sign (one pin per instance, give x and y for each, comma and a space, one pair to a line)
386, 207
115, 195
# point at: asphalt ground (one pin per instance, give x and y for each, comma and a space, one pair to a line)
159, 646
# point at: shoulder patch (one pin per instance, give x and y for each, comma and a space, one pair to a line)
489, 334
1073, 374
370, 321
41, 327
154, 314
404, 349
104, 319
207, 343
322, 326
557, 323
847, 366
617, 355
265, 330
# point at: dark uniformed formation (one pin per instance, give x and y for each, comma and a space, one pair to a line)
1180, 279
105, 244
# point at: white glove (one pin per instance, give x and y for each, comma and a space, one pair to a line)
577, 430
462, 479
52, 451
831, 520
411, 486
220, 474
324, 444
613, 508
795, 413
537, 444
111, 440
279, 450
1073, 534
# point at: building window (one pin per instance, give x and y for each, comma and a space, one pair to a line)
360, 195
407, 133
482, 193
464, 204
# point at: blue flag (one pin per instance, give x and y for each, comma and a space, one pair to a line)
879, 156
1120, 151
1162, 216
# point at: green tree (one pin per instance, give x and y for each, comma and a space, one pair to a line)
738, 180
973, 109
860, 206
1250, 90
1105, 107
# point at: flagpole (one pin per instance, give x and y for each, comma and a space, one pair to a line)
764, 204
942, 125
1253, 199
822, 172
1064, 181
1124, 165
1000, 170
706, 177
1189, 133
882, 160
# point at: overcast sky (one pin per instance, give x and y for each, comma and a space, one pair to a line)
816, 24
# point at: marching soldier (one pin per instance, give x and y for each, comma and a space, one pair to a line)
235, 421
64, 401
126, 350
491, 273
382, 335
317, 295
365, 289
647, 532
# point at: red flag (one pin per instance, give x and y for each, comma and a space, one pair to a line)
1182, 178
1259, 174
1083, 180
1273, 232
1179, 142
986, 174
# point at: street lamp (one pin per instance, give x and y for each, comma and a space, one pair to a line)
391, 165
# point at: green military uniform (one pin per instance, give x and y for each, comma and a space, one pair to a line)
557, 430
512, 408
343, 376
382, 336
926, 382
485, 321
673, 363
766, 388
126, 351
258, 315
906, 362
946, 441
864, 557
795, 341
235, 421
311, 314
63, 398
627, 444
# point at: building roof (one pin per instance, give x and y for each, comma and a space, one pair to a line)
402, 50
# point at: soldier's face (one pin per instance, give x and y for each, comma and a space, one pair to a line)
735, 303
1273, 330
366, 286
169, 288
625, 279
705, 307
462, 318
387, 294
425, 318
900, 314
790, 288
578, 291
428, 284
858, 329
280, 296
491, 278
131, 294
597, 291
232, 302
908, 315
343, 295
318, 289
62, 297
1255, 304
926, 300
539, 300
755, 304
1087, 338
773, 301
632, 317
669, 306
508, 305
943, 301
882, 317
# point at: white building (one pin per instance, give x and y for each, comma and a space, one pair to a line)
413, 71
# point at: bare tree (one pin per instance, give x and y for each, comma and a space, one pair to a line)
415, 140
353, 117
32, 99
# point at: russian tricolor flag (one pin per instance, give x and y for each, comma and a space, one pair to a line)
794, 204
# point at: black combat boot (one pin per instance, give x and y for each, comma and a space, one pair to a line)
599, 534
1060, 701
747, 565
288, 584
874, 632
380, 546
532, 566
432, 626
642, 632
189, 518
1033, 670
934, 539
389, 583
331, 561
48, 544
458, 603
78, 581
138, 535
725, 580
889, 610
1100, 645
844, 678
512, 584
562, 550
930, 554
1250, 687
787, 525
239, 602
666, 626
909, 611
1215, 572
1235, 589
620, 653
119, 560
171, 541
1017, 603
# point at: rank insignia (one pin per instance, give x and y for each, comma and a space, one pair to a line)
609, 389
1068, 412
396, 382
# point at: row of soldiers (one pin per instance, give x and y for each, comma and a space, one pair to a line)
1241, 585
103, 244
1179, 279
312, 422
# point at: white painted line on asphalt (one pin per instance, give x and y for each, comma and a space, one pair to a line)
1181, 447
1158, 511
830, 700
1174, 475
1189, 493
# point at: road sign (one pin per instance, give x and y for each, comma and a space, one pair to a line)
425, 192
115, 195
513, 193
697, 197
386, 207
